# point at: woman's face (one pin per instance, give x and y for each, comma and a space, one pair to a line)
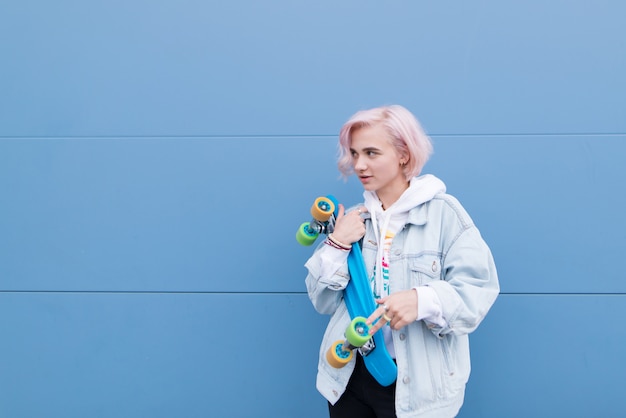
377, 163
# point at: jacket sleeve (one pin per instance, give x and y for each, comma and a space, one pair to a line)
328, 276
469, 286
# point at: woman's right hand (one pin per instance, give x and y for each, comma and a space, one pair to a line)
349, 227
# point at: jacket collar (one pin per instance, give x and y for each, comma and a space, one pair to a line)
418, 215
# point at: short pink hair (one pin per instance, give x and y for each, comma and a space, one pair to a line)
405, 131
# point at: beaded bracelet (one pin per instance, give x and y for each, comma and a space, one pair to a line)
332, 244
339, 243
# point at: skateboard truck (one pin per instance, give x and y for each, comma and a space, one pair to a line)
357, 337
323, 221
367, 348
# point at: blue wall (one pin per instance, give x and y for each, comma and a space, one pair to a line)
147, 146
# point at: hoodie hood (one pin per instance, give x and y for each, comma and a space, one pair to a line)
386, 223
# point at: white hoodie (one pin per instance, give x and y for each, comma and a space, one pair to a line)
386, 223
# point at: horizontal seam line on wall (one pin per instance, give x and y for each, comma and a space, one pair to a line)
148, 292
562, 293
192, 292
266, 136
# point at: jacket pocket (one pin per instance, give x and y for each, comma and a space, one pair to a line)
424, 269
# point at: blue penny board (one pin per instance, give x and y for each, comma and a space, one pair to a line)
360, 302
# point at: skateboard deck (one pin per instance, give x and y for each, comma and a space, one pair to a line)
357, 296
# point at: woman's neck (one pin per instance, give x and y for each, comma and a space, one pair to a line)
391, 195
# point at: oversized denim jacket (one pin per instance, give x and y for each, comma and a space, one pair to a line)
438, 247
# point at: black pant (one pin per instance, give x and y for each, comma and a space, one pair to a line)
365, 397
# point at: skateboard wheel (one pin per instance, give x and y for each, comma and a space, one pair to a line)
322, 208
357, 333
336, 356
305, 235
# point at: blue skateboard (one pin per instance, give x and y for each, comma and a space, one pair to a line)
358, 298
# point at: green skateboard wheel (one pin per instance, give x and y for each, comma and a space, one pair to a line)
357, 333
306, 236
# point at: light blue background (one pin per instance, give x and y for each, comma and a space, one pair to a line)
156, 158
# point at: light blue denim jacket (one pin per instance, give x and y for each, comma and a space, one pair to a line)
438, 247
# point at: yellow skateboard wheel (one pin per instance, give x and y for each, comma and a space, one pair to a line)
336, 356
322, 208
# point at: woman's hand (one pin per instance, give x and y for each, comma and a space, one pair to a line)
349, 227
398, 309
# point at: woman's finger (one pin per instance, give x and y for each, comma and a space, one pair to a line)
379, 317
341, 211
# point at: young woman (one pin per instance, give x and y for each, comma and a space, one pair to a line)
432, 275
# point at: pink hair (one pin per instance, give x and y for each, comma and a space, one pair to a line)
405, 131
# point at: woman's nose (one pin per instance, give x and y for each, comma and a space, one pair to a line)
359, 164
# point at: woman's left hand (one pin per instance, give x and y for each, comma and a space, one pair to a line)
398, 309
